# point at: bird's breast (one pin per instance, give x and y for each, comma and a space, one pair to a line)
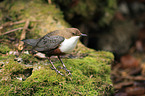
68, 45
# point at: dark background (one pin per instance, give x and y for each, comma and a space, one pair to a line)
112, 25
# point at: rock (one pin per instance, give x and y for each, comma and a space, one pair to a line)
40, 55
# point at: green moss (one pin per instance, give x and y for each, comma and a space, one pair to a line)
4, 49
42, 19
28, 58
13, 67
90, 76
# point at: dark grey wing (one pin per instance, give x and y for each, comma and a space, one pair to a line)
47, 43
32, 42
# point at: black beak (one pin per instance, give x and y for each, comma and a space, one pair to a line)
83, 35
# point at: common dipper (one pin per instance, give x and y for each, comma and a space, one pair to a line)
58, 42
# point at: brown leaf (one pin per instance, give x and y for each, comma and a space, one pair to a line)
129, 61
135, 91
123, 84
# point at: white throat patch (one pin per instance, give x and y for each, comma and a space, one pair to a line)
69, 44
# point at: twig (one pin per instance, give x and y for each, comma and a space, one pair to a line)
12, 31
11, 23
23, 34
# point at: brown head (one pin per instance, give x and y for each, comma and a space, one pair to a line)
69, 32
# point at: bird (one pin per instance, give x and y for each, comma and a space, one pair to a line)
56, 43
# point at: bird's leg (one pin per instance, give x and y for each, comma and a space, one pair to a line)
64, 67
54, 67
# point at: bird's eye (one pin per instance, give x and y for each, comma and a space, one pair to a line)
73, 33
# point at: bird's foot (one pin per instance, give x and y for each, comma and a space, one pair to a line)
69, 72
52, 68
58, 72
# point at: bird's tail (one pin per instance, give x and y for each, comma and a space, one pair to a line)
32, 42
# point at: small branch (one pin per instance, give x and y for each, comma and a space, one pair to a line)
12, 31
19, 22
11, 23
23, 35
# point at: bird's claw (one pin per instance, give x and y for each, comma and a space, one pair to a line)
52, 68
60, 67
58, 72
69, 72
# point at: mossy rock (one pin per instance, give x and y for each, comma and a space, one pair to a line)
90, 69
43, 17
90, 76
